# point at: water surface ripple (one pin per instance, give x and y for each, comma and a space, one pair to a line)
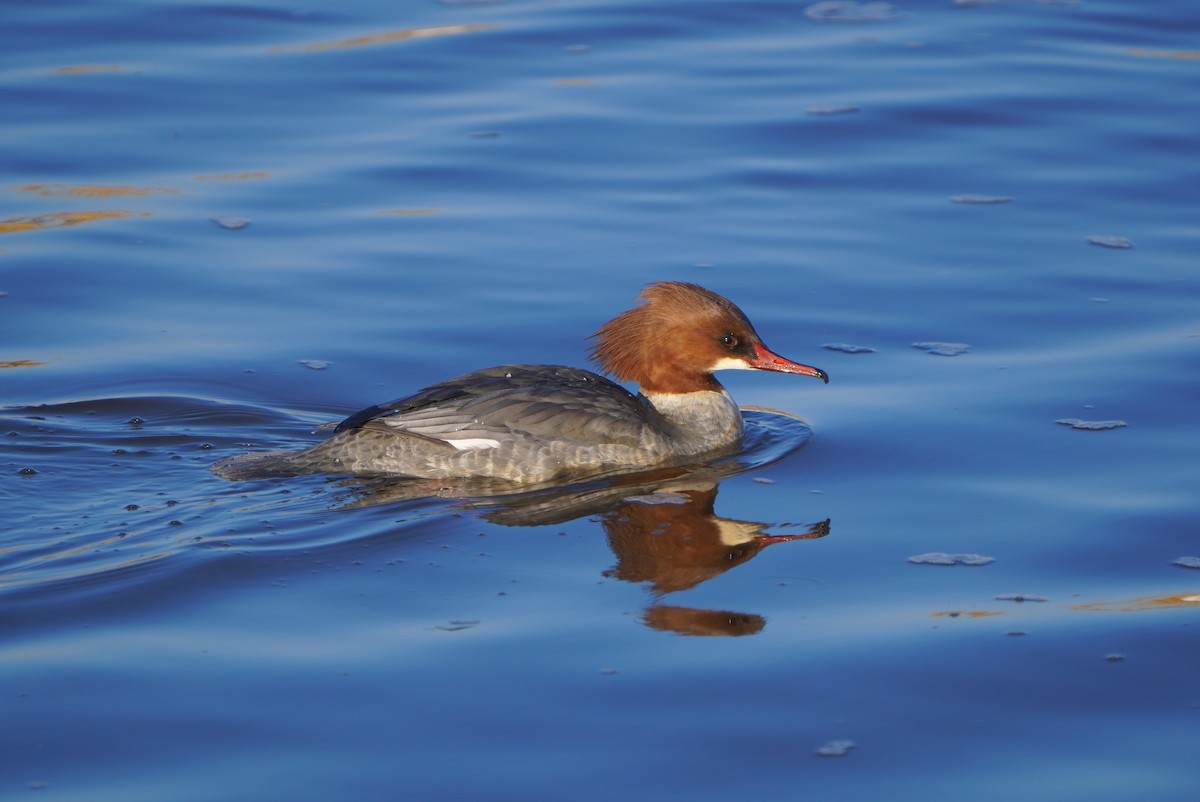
223, 225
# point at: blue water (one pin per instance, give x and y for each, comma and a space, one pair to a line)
197, 199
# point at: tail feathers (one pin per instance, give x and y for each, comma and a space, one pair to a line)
259, 465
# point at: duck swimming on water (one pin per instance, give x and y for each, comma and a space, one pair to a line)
541, 423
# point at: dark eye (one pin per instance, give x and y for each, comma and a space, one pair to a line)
729, 341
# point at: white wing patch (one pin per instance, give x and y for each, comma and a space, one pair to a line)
474, 443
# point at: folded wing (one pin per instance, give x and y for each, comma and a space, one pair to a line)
488, 407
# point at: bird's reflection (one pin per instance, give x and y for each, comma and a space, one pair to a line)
661, 526
674, 546
690, 621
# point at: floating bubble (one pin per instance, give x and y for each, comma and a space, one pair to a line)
1187, 562
459, 624
315, 364
835, 749
231, 223
1091, 425
942, 558
943, 349
1115, 657
1120, 243
846, 348
850, 11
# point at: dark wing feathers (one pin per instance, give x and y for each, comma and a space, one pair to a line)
548, 401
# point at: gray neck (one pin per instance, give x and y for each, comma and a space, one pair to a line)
705, 420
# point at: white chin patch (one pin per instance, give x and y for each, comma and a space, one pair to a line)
735, 533
474, 444
730, 363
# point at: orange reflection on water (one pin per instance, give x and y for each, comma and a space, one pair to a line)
966, 613
20, 363
1142, 603
87, 191
34, 222
87, 69
386, 37
250, 176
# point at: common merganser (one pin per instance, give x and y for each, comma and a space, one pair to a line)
541, 423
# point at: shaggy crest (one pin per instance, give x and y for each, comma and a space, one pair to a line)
649, 340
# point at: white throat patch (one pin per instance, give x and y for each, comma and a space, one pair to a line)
730, 363
735, 533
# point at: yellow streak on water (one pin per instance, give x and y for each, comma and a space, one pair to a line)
386, 37
34, 222
1140, 604
87, 69
20, 363
250, 176
966, 613
86, 191
412, 212
18, 579
1183, 55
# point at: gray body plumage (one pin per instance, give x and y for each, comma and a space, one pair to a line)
524, 423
